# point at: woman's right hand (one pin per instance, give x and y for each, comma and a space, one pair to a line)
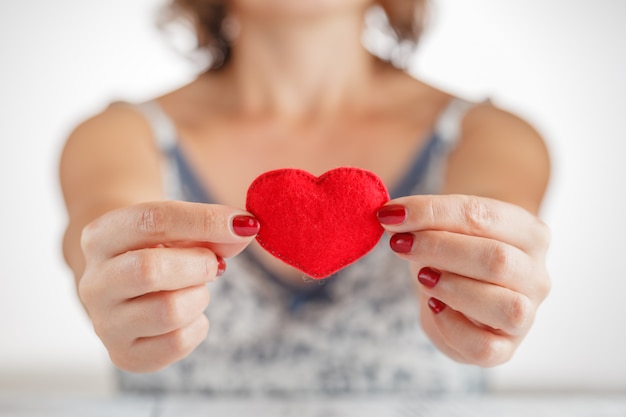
146, 267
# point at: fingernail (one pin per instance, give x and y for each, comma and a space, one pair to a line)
436, 306
221, 266
245, 226
392, 214
401, 242
428, 277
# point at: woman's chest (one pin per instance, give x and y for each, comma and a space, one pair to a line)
226, 158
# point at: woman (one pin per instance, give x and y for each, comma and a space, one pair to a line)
455, 284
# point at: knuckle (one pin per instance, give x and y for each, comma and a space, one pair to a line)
153, 354
121, 361
519, 313
499, 259
489, 351
544, 286
209, 223
170, 311
89, 236
151, 220
201, 300
101, 326
140, 357
86, 290
543, 233
477, 214
176, 309
107, 329
148, 268
209, 266
180, 342
432, 211
130, 362
177, 343
90, 288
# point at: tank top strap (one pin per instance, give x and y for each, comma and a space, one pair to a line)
163, 129
165, 136
448, 125
431, 164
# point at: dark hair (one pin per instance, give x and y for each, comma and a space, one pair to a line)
402, 21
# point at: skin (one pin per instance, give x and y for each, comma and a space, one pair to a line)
141, 263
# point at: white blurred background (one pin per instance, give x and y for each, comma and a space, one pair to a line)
559, 63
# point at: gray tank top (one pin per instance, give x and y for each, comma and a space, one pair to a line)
356, 332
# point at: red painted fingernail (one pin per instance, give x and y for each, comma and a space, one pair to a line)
436, 306
401, 242
428, 277
221, 266
245, 226
392, 214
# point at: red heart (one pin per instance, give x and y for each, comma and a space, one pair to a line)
317, 224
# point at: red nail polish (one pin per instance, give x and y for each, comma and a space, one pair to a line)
428, 277
221, 266
392, 214
436, 306
245, 226
401, 242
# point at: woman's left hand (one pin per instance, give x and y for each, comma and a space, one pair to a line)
481, 266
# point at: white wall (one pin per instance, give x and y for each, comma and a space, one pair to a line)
559, 63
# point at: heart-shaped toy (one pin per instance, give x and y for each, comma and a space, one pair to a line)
317, 224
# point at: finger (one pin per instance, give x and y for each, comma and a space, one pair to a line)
150, 224
493, 306
154, 353
143, 271
480, 258
163, 312
475, 345
470, 215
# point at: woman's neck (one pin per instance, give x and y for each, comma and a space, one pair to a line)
301, 68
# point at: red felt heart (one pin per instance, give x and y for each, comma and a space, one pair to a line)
317, 224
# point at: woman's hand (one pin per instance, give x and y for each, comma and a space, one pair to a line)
481, 266
146, 269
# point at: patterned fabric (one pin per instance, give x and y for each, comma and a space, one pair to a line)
356, 333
